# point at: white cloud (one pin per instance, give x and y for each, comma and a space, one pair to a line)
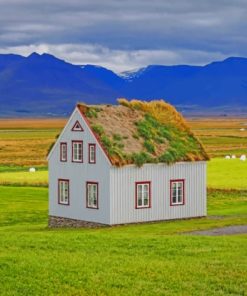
117, 60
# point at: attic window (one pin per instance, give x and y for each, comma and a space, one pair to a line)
177, 192
77, 127
77, 151
91, 153
63, 152
143, 195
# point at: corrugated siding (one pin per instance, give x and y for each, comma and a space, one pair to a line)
79, 174
122, 189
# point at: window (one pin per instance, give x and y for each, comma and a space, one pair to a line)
77, 151
92, 195
77, 127
177, 192
143, 195
63, 192
91, 153
63, 152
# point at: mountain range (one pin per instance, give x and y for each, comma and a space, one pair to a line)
47, 86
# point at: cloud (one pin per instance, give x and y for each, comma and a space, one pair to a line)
122, 33
117, 60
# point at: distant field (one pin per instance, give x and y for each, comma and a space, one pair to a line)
221, 135
25, 142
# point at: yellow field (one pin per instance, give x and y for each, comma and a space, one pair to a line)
25, 142
221, 135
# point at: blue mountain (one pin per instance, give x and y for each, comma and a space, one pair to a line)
46, 85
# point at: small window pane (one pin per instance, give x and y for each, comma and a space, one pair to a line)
92, 195
177, 192
143, 195
63, 191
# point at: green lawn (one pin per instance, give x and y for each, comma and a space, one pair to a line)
145, 259
227, 173
24, 178
222, 173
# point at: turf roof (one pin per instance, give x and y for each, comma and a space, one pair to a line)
138, 132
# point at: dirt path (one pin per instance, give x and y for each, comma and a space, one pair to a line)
229, 230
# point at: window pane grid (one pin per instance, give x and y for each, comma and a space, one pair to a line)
92, 195
63, 152
92, 153
77, 151
63, 192
177, 194
143, 195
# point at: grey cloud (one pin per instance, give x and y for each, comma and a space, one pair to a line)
195, 26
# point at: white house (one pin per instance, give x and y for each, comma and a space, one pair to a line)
134, 162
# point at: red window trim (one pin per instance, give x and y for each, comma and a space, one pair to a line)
73, 128
95, 135
76, 161
58, 195
150, 195
63, 160
177, 180
91, 145
97, 206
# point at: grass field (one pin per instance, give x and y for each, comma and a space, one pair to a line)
148, 259
25, 142
221, 135
222, 174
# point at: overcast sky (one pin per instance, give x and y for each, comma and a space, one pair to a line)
125, 34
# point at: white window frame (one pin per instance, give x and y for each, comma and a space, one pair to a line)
91, 153
77, 151
143, 193
92, 189
177, 192
63, 191
63, 151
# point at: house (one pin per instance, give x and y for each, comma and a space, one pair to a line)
133, 162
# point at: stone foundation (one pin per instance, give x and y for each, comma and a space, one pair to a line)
59, 222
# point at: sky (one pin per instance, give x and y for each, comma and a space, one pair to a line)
125, 34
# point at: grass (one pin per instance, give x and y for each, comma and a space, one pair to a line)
145, 259
221, 173
221, 136
25, 142
227, 174
39, 178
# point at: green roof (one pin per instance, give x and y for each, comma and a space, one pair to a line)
138, 132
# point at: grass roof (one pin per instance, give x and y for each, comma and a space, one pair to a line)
138, 132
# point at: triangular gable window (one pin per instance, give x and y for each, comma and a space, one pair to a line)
77, 127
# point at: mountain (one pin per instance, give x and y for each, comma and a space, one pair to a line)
45, 85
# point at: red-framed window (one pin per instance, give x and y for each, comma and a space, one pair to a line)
77, 127
77, 151
63, 191
91, 153
177, 190
92, 193
143, 195
63, 152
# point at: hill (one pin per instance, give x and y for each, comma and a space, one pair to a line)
45, 85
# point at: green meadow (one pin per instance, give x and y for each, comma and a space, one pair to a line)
221, 174
147, 259
142, 259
